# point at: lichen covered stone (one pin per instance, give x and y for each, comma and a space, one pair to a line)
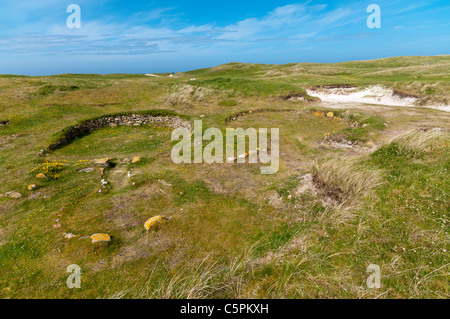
14, 195
152, 221
100, 238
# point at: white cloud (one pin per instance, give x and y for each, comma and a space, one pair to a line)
290, 23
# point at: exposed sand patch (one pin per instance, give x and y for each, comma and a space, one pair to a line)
375, 94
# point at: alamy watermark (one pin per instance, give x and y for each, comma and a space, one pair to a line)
74, 279
192, 144
374, 280
74, 20
374, 20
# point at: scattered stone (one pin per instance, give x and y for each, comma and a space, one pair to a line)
96, 238
104, 162
112, 124
275, 200
319, 114
14, 195
306, 185
32, 187
152, 221
69, 235
136, 159
164, 183
86, 170
41, 176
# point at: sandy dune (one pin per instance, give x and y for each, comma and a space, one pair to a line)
375, 94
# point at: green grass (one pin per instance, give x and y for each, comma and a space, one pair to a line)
229, 102
233, 232
247, 88
66, 135
104, 142
49, 89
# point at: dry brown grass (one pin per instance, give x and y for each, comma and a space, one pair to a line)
205, 280
422, 140
186, 94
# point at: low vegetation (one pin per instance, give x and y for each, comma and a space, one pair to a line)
357, 185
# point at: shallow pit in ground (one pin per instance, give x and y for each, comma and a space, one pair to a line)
116, 141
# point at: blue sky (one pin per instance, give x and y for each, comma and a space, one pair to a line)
137, 36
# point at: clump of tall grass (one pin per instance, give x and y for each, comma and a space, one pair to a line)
206, 280
187, 283
186, 93
181, 96
415, 144
343, 180
420, 141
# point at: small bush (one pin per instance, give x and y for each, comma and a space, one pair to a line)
50, 170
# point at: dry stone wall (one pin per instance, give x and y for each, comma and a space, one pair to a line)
88, 126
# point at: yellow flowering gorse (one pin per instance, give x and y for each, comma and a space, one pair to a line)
50, 170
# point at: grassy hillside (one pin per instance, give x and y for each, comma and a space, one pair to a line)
367, 185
